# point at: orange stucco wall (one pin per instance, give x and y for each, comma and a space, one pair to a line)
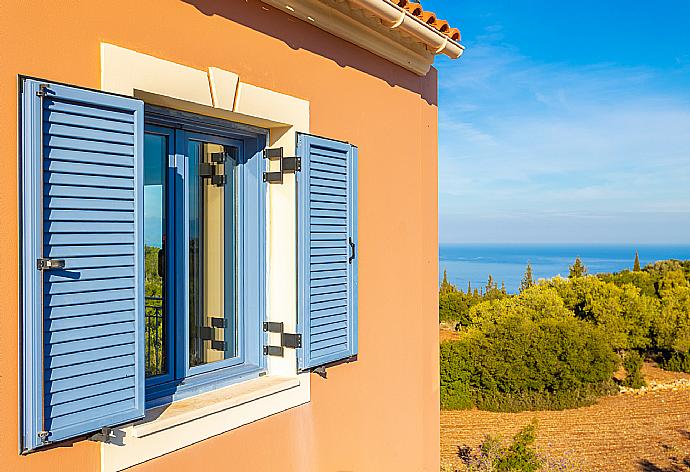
377, 414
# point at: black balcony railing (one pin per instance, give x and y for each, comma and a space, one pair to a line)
154, 336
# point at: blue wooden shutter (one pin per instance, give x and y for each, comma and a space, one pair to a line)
82, 203
327, 251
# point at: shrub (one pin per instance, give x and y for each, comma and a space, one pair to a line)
518, 364
677, 361
495, 456
632, 363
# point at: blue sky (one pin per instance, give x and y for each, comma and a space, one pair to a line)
566, 122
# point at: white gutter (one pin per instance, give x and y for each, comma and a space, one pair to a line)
396, 17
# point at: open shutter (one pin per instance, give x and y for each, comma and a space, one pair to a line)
82, 261
327, 251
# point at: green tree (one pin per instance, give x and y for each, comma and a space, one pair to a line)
446, 287
490, 284
636, 264
578, 269
527, 279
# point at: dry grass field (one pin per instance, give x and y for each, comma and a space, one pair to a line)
642, 431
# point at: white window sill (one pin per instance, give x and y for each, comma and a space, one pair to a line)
185, 422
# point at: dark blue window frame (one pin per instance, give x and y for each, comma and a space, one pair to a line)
180, 380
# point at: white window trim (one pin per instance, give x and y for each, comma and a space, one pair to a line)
219, 93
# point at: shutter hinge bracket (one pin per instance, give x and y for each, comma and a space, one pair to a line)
42, 90
104, 436
287, 340
285, 164
43, 436
49, 264
209, 170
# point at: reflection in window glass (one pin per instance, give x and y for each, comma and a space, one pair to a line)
212, 314
155, 164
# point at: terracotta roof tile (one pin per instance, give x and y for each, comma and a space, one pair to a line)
415, 8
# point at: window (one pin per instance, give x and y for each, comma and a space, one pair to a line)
144, 263
203, 223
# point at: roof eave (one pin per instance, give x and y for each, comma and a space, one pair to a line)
378, 26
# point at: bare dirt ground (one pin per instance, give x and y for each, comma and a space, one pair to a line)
646, 430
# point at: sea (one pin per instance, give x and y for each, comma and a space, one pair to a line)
506, 263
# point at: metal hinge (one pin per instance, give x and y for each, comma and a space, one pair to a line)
42, 90
285, 164
287, 340
43, 435
208, 171
50, 264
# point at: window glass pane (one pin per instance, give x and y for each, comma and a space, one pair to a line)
212, 314
155, 164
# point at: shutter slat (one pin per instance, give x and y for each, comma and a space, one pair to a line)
70, 274
100, 181
327, 274
88, 227
93, 378
92, 134
86, 251
331, 164
59, 324
87, 391
87, 215
78, 263
329, 347
327, 282
330, 221
86, 145
327, 251
329, 259
325, 327
336, 243
80, 240
82, 286
336, 211
336, 152
340, 315
102, 412
334, 334
339, 180
82, 110
334, 287
88, 204
71, 155
87, 192
88, 169
316, 313
75, 334
88, 344
88, 297
87, 122
325, 188
320, 199
73, 364
87, 403
97, 308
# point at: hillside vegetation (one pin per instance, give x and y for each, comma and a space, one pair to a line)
560, 342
